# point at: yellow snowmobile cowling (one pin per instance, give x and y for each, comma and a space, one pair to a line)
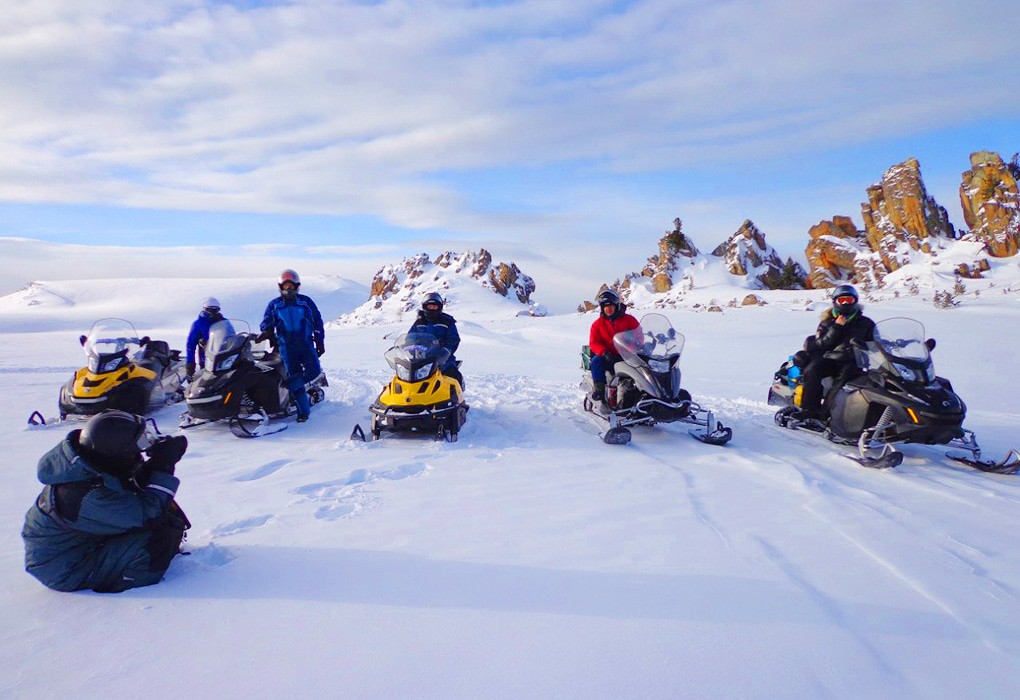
123, 372
436, 389
419, 398
89, 385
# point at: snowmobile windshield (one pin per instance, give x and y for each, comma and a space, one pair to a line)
415, 356
902, 349
654, 343
223, 346
110, 344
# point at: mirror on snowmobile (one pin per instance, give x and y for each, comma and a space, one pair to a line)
930, 342
83, 339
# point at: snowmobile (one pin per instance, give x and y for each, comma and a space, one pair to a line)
123, 371
242, 384
419, 398
644, 388
893, 397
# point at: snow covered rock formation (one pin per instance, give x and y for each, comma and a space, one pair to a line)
469, 279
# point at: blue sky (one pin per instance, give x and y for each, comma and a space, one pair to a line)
534, 127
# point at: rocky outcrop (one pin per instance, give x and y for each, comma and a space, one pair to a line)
673, 247
991, 204
746, 254
900, 216
899, 219
402, 279
833, 252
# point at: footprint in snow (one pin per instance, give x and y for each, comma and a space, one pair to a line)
240, 526
265, 470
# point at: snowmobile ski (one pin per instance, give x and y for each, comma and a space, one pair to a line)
1010, 464
358, 434
253, 426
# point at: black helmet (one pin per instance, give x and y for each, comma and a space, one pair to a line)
116, 439
286, 276
607, 297
432, 299
845, 300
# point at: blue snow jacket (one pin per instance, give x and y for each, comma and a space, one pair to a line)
87, 529
199, 336
444, 328
295, 323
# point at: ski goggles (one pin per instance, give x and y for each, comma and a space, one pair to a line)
433, 305
844, 300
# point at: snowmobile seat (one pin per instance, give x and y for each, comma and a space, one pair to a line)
157, 353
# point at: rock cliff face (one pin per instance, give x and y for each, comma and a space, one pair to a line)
899, 219
746, 254
991, 204
403, 279
899, 215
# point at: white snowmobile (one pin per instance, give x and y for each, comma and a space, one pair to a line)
644, 386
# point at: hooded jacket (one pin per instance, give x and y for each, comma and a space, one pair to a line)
87, 526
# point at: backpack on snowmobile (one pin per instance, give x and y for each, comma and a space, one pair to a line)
124, 371
895, 397
242, 384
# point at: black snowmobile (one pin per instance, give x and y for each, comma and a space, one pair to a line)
893, 397
242, 384
124, 371
644, 387
419, 399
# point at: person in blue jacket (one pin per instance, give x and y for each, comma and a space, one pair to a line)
443, 326
199, 334
106, 519
293, 324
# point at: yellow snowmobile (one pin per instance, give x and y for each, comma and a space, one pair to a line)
124, 371
419, 398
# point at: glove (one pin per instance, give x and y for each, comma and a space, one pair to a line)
610, 357
801, 358
189, 369
165, 453
320, 348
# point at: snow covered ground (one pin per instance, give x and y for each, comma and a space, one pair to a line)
529, 560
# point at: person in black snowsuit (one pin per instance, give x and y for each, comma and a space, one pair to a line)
829, 352
443, 326
106, 519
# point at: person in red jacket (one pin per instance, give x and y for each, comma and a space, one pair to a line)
613, 318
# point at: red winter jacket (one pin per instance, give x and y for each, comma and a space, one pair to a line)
603, 329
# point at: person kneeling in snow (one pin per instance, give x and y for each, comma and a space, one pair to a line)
106, 519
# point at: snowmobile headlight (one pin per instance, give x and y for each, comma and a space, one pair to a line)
226, 363
109, 365
658, 366
423, 373
403, 373
905, 372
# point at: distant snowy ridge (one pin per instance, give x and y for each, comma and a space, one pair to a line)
158, 303
468, 281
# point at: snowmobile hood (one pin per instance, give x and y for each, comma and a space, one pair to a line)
64, 464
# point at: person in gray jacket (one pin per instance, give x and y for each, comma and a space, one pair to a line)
106, 518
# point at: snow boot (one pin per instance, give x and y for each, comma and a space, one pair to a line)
598, 392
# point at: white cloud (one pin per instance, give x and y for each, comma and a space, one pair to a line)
353, 108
